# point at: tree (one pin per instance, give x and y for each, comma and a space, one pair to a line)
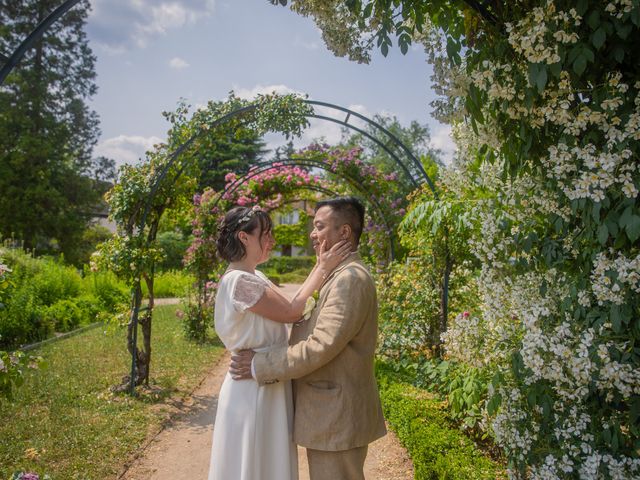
47, 132
229, 148
415, 136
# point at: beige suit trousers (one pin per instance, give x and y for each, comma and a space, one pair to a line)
340, 465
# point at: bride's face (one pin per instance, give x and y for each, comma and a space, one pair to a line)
259, 245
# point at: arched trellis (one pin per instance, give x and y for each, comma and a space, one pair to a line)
173, 158
9, 63
357, 184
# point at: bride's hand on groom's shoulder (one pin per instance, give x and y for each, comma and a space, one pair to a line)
240, 365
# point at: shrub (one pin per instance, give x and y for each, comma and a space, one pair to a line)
174, 246
106, 287
91, 237
409, 309
55, 282
64, 314
170, 284
465, 388
22, 320
89, 306
289, 264
420, 421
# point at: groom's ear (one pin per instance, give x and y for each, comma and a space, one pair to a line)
345, 232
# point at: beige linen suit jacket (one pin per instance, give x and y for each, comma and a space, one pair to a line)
331, 360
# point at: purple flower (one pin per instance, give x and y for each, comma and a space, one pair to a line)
29, 476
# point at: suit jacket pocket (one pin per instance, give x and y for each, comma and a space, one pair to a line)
324, 386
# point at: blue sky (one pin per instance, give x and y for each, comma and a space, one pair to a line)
153, 52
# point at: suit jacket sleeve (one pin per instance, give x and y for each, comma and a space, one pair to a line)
339, 320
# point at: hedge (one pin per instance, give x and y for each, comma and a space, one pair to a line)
438, 449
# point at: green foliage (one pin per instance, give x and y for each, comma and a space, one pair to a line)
65, 315
196, 318
47, 296
106, 288
68, 414
171, 284
295, 234
22, 321
415, 137
47, 130
56, 281
465, 388
174, 246
409, 303
13, 367
91, 238
437, 449
289, 264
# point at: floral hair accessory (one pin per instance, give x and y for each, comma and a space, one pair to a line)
247, 216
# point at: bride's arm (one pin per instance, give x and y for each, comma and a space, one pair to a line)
277, 307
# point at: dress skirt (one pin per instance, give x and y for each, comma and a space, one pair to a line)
252, 435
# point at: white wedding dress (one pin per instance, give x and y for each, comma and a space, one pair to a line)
252, 434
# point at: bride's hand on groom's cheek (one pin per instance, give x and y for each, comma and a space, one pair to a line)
240, 365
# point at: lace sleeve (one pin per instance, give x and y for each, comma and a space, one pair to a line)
248, 290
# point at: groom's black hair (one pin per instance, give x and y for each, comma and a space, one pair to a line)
350, 211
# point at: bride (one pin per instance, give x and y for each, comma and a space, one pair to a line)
252, 438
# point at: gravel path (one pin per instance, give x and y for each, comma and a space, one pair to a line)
182, 449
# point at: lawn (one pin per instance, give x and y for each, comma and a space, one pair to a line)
66, 422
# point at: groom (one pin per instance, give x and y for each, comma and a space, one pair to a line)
330, 357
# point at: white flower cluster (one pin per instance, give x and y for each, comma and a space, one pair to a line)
538, 35
618, 8
496, 79
613, 276
600, 171
512, 426
615, 376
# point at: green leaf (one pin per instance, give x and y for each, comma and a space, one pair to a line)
616, 318
404, 47
580, 65
603, 234
593, 20
556, 69
581, 7
633, 228
598, 38
618, 53
623, 29
595, 212
541, 78
368, 10
588, 54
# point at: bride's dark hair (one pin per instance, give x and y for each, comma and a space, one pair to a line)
240, 219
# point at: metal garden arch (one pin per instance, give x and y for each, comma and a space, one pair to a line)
392, 146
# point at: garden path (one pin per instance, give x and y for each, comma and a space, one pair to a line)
182, 449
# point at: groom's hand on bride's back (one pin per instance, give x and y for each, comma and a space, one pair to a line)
240, 365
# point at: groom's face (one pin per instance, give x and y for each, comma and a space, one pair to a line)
326, 227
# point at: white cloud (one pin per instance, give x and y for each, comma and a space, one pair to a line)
251, 93
178, 63
125, 148
321, 130
114, 24
298, 42
441, 139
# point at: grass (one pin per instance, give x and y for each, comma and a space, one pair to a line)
438, 449
66, 422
